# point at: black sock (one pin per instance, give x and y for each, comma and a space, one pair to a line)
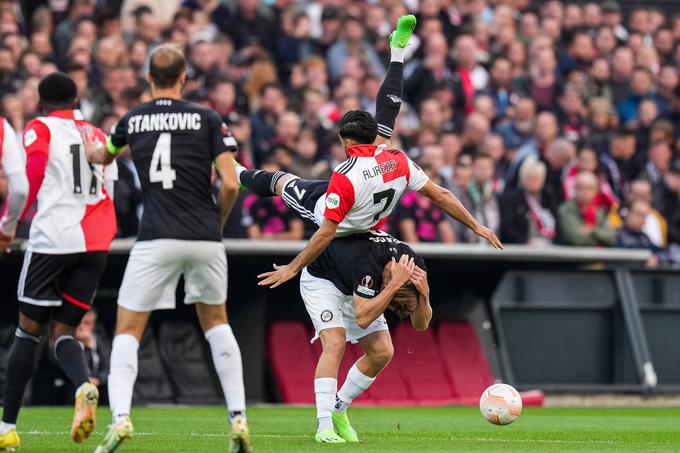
389, 99
71, 357
261, 183
19, 371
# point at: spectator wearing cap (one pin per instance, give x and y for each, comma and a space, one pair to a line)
352, 42
581, 221
528, 212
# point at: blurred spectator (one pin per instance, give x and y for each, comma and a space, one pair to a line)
270, 218
668, 201
586, 160
655, 226
528, 213
482, 193
351, 43
632, 235
272, 104
581, 221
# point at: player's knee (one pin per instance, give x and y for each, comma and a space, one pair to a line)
382, 356
334, 346
30, 326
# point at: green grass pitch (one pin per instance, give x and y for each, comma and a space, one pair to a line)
453, 429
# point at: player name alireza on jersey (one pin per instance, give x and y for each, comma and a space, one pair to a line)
381, 169
158, 122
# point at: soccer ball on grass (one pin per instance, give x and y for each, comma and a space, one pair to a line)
500, 404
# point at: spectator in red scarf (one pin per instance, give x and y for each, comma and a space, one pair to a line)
582, 222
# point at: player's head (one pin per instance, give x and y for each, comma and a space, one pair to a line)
167, 68
357, 127
407, 294
57, 92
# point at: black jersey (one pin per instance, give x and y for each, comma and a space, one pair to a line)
355, 264
173, 145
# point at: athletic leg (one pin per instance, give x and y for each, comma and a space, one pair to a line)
19, 369
264, 183
326, 375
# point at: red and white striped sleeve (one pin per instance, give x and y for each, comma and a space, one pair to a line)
37, 146
339, 197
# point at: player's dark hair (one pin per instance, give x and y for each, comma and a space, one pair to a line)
57, 92
166, 65
358, 126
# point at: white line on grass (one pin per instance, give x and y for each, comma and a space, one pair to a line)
301, 436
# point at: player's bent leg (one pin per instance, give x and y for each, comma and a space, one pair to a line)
264, 183
130, 327
19, 371
226, 356
378, 353
71, 358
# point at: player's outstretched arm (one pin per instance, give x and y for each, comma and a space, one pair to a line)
422, 315
448, 203
230, 186
96, 152
316, 245
368, 310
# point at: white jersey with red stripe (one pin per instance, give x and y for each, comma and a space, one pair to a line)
75, 212
364, 190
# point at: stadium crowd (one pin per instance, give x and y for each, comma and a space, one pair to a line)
552, 121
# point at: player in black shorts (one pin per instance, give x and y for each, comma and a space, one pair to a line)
174, 145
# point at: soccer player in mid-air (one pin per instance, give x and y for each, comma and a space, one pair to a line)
364, 189
174, 144
68, 243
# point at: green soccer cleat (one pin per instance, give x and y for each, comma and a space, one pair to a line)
343, 427
239, 440
238, 165
405, 26
119, 433
328, 436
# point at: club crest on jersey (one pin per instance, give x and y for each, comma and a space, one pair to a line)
29, 137
366, 286
332, 200
326, 316
382, 169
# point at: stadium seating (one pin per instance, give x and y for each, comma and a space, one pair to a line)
441, 366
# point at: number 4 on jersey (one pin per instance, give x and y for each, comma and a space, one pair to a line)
161, 169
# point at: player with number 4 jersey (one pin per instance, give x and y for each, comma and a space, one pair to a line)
174, 145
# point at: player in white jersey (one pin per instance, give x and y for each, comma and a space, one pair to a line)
13, 163
69, 240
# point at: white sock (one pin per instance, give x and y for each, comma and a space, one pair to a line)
355, 384
240, 169
226, 357
123, 374
325, 389
397, 54
5, 427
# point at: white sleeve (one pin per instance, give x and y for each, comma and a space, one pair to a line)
13, 155
418, 178
14, 166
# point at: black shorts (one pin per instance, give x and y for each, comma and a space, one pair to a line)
301, 196
59, 287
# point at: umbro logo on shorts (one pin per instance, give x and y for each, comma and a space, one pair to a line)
326, 316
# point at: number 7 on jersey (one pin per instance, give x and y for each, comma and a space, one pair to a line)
161, 169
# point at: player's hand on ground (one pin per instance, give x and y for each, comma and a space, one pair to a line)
419, 280
402, 270
4, 243
277, 277
489, 235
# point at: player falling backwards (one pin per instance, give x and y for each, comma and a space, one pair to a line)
173, 145
364, 189
68, 243
359, 197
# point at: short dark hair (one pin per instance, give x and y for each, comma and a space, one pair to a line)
166, 65
359, 126
57, 91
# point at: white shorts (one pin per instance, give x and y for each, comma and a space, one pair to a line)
329, 308
154, 269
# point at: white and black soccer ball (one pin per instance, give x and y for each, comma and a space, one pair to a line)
500, 404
